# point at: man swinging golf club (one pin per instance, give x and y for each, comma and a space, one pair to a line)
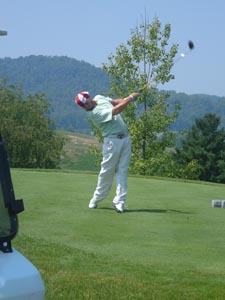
104, 112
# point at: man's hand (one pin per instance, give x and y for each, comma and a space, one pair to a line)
122, 103
134, 96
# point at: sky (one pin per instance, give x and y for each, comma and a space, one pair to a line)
91, 30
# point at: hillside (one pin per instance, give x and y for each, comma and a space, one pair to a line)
61, 78
76, 152
196, 106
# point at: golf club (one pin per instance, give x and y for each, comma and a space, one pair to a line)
3, 32
182, 55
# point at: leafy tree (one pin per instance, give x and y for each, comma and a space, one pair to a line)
25, 127
146, 55
204, 145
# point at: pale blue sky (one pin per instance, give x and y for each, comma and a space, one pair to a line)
90, 30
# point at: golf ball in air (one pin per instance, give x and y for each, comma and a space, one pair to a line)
182, 55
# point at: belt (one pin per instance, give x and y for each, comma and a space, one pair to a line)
118, 136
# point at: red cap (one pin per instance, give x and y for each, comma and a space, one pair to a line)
81, 98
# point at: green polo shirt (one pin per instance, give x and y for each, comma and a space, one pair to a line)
103, 118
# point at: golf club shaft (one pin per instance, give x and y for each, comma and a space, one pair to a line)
147, 84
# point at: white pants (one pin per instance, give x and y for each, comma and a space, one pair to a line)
116, 159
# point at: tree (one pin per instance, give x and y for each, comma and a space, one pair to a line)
146, 55
205, 144
26, 128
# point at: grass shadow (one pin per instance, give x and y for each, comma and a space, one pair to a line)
161, 211
146, 210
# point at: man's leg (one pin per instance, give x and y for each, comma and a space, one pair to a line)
108, 166
121, 175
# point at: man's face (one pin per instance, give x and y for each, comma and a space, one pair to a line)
89, 104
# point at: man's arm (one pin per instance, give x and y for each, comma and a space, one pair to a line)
121, 104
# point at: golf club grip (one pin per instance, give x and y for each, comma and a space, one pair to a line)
147, 84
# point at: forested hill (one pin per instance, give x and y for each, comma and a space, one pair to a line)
61, 78
196, 106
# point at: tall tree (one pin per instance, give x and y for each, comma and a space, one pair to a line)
205, 144
146, 55
26, 128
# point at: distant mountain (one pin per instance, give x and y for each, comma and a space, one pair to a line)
196, 106
61, 78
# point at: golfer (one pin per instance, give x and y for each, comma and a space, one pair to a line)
104, 112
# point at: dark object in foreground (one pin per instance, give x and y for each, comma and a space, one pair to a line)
9, 207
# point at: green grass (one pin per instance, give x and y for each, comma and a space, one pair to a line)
168, 245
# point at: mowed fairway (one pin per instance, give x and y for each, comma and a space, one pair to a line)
170, 244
